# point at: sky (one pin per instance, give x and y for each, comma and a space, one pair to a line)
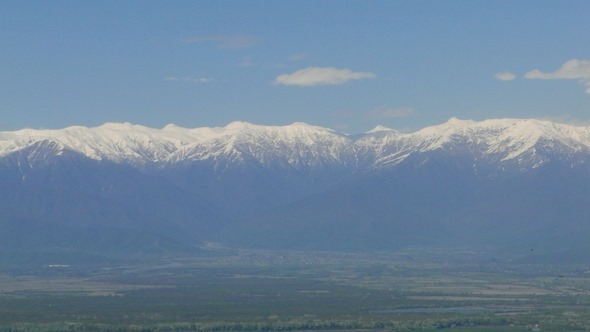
345, 65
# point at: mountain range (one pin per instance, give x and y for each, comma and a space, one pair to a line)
511, 185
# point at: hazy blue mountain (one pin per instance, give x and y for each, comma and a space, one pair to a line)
505, 184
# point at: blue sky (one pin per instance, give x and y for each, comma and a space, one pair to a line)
346, 65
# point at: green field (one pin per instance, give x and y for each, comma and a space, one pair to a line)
263, 291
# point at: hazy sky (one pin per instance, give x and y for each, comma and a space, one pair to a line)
347, 65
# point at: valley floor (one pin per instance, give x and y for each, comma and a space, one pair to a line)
250, 290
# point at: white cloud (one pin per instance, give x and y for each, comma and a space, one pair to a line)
505, 76
571, 70
312, 76
225, 41
386, 112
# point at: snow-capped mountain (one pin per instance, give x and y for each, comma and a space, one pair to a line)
116, 142
499, 142
300, 146
296, 186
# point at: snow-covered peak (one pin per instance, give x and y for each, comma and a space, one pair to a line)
241, 125
302, 145
120, 126
118, 142
173, 127
379, 129
297, 145
506, 139
524, 141
301, 124
456, 122
451, 126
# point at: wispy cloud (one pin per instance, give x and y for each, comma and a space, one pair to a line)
571, 70
313, 76
247, 62
225, 41
189, 79
386, 112
505, 76
298, 57
198, 79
